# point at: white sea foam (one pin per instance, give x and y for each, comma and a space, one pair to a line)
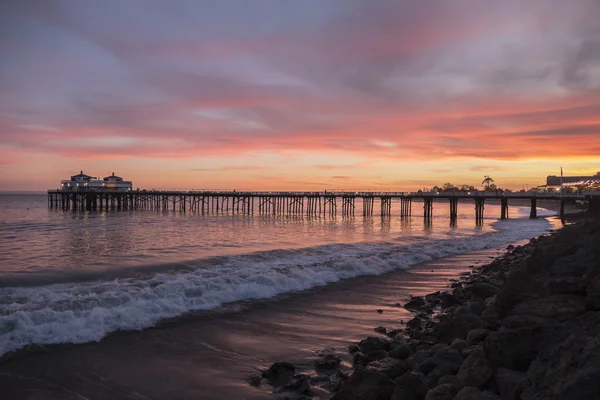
83, 312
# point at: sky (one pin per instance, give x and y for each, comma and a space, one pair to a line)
298, 95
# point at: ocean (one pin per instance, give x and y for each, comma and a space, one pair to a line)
73, 277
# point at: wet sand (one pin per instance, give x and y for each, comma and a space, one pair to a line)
210, 355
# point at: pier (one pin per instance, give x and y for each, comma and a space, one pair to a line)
299, 203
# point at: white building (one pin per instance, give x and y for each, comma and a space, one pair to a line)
82, 181
114, 182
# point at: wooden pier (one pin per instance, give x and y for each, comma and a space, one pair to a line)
294, 203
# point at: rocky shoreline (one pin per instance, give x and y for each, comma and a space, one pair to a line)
526, 326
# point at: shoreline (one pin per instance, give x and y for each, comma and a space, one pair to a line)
525, 326
246, 337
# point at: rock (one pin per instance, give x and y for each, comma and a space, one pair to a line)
255, 379
373, 343
565, 285
475, 371
592, 301
380, 329
389, 367
449, 379
477, 307
490, 315
366, 384
329, 361
410, 386
279, 373
519, 341
482, 290
415, 304
459, 344
439, 347
299, 384
380, 311
510, 247
477, 335
442, 392
415, 324
470, 393
456, 325
376, 355
353, 349
337, 380
432, 297
442, 363
569, 369
558, 306
448, 300
398, 341
510, 383
401, 352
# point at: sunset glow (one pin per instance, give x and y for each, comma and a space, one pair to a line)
305, 95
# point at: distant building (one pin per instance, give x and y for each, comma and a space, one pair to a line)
82, 181
554, 182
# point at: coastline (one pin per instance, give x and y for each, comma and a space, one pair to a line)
525, 326
213, 354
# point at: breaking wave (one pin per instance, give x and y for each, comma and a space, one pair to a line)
87, 311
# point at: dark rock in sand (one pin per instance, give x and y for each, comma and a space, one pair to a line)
510, 247
470, 393
401, 352
380, 329
410, 386
415, 324
366, 384
432, 298
380, 311
299, 384
456, 325
337, 380
390, 367
328, 362
415, 304
558, 306
475, 371
510, 383
279, 373
482, 290
448, 300
393, 333
442, 392
398, 341
353, 349
373, 343
255, 379
477, 335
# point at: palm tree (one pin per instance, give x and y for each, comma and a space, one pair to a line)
487, 182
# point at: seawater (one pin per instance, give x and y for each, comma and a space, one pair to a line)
73, 277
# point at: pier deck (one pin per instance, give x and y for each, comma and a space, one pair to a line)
309, 203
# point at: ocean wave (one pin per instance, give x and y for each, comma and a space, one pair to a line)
88, 311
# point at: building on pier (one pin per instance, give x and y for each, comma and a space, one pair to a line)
83, 181
114, 182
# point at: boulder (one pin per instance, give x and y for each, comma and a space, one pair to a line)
475, 371
477, 335
482, 290
381, 329
300, 384
456, 325
440, 364
353, 349
558, 306
327, 362
445, 391
471, 393
279, 373
366, 384
373, 343
389, 367
459, 344
510, 383
401, 352
476, 307
592, 301
565, 285
410, 386
415, 304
